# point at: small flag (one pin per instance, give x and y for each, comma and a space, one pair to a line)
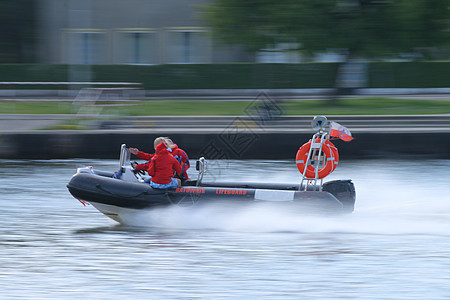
339, 131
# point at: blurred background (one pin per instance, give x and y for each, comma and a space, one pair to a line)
107, 58
177, 44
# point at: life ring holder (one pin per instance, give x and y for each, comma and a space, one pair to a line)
314, 152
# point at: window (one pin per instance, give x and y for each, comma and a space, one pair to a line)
85, 47
136, 47
187, 46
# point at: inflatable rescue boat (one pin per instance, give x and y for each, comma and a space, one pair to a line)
115, 195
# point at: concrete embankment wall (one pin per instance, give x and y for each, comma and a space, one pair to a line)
237, 145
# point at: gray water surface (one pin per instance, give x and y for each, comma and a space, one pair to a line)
394, 246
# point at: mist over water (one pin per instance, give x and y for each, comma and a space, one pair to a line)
394, 246
393, 197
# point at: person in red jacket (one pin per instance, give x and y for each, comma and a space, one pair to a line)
181, 156
147, 156
178, 153
161, 168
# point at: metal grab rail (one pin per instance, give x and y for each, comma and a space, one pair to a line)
315, 158
201, 166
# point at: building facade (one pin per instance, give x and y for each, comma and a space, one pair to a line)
146, 32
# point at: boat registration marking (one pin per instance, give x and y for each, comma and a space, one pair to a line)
274, 195
190, 190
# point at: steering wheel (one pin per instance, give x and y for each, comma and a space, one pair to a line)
136, 171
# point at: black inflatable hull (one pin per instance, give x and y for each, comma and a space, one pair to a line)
112, 196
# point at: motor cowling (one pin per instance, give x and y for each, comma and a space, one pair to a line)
344, 191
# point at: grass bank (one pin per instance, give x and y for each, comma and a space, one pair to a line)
363, 106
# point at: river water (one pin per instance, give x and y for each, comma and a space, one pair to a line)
394, 246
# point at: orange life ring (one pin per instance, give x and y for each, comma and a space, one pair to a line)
331, 159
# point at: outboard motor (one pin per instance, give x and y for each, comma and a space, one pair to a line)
344, 191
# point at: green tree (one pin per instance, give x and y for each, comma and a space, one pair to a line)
362, 28
365, 28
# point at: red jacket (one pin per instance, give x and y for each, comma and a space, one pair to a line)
145, 156
183, 159
162, 165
